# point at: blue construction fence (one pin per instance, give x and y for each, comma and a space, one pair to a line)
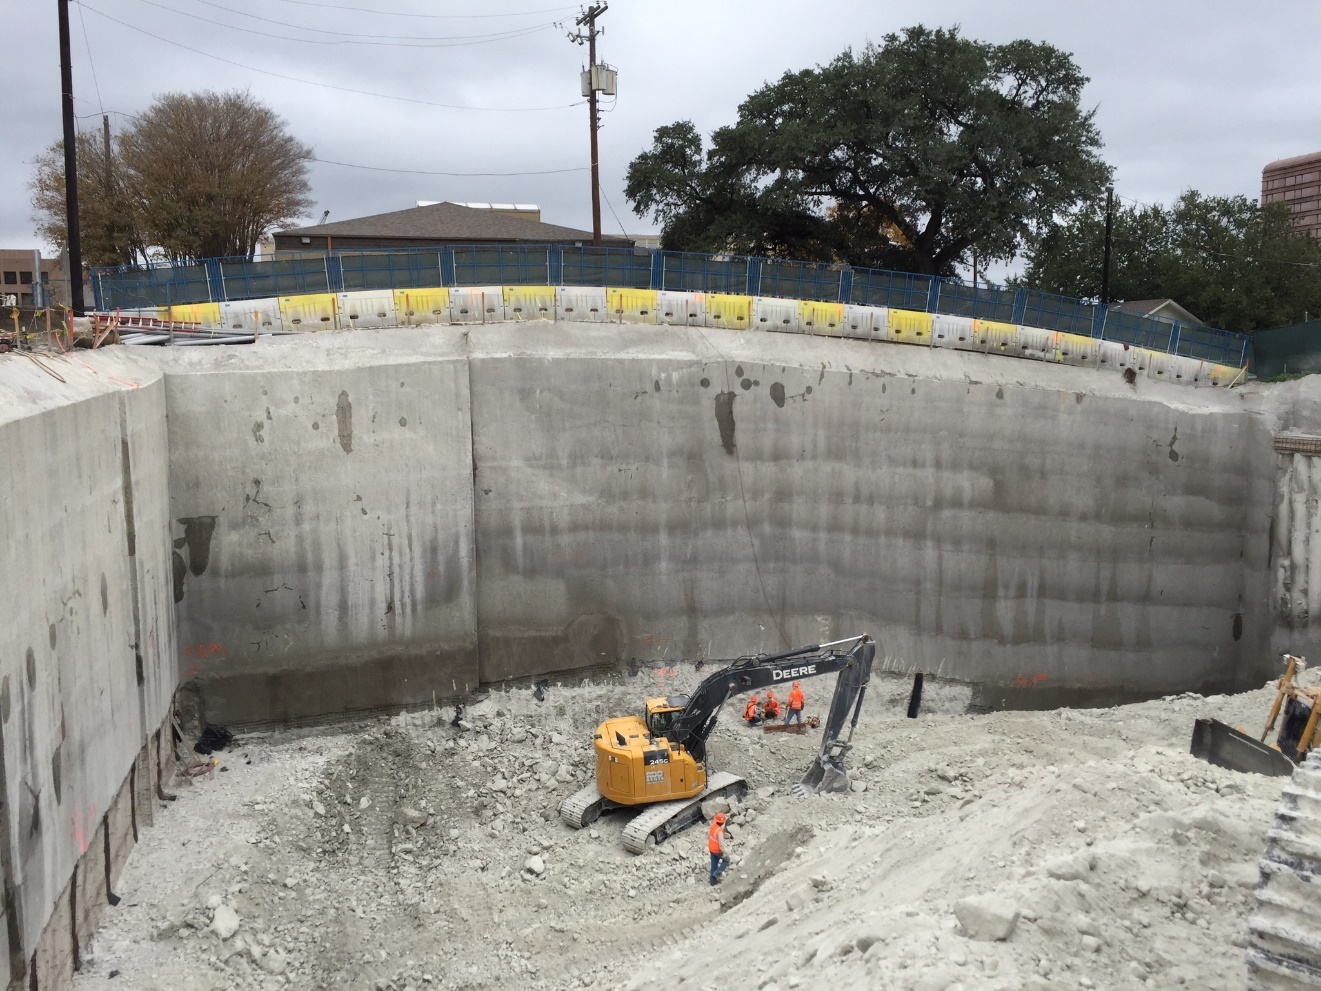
226, 279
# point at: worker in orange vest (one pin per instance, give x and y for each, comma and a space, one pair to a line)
795, 704
717, 843
771, 707
750, 713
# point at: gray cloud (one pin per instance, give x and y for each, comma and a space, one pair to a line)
1187, 95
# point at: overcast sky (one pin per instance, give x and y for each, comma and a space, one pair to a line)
1188, 94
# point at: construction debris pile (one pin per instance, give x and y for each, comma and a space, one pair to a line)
1069, 848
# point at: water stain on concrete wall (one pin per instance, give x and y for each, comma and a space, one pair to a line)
197, 531
344, 420
725, 419
777, 394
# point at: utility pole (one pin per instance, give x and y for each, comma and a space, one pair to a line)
75, 269
105, 134
588, 20
1109, 231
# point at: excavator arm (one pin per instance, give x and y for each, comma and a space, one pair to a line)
694, 725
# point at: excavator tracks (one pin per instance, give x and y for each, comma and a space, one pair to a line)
1284, 952
655, 823
583, 807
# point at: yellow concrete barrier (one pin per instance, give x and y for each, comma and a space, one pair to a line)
910, 327
727, 310
632, 305
207, 314
312, 311
991, 333
416, 306
1075, 349
530, 302
821, 319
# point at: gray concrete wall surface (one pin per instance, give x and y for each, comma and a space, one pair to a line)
521, 499
702, 494
321, 498
87, 651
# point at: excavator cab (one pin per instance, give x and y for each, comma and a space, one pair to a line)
662, 712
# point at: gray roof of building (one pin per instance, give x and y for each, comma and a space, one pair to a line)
447, 222
1149, 307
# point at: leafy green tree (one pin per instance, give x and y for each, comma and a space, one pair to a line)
907, 155
1231, 262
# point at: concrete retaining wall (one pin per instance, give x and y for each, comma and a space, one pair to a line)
87, 651
322, 507
550, 496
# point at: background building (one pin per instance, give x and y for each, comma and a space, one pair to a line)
435, 224
1160, 309
21, 268
1296, 181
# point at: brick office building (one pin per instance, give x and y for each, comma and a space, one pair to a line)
21, 267
1297, 182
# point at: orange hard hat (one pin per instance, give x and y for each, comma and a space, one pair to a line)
721, 818
796, 685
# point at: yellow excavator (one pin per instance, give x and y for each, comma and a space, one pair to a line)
656, 762
1223, 745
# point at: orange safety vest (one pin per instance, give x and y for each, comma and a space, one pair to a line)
713, 838
796, 698
750, 713
772, 705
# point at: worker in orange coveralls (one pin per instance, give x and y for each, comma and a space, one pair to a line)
796, 702
751, 714
771, 707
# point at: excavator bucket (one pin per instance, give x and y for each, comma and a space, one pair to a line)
1220, 744
823, 776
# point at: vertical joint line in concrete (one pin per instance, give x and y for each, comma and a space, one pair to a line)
472, 518
133, 797
110, 896
13, 909
73, 920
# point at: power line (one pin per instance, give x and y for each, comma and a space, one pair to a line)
313, 82
613, 214
91, 64
121, 113
356, 39
351, 34
399, 13
461, 175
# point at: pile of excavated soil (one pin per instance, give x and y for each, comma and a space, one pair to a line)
1070, 848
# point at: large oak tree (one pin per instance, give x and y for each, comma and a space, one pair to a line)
910, 154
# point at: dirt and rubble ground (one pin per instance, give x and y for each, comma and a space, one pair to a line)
412, 854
